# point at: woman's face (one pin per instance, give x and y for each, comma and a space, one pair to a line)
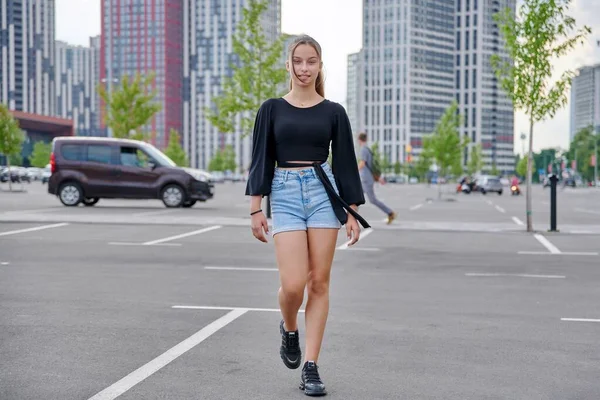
306, 64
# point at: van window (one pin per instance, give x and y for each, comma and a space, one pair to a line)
72, 152
99, 153
134, 157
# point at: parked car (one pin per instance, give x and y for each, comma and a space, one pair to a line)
46, 174
489, 183
15, 174
86, 169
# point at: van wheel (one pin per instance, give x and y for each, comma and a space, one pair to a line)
70, 194
189, 204
90, 201
172, 196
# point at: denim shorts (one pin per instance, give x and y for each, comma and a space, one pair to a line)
299, 200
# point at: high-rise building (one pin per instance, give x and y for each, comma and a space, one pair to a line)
76, 79
95, 102
208, 30
27, 55
488, 114
418, 57
353, 90
585, 100
146, 37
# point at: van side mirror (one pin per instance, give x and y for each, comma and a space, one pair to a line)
151, 164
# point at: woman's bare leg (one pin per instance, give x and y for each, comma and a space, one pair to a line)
321, 249
291, 249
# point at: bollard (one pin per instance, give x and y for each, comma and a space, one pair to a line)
553, 180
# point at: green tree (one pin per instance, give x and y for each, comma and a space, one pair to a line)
130, 106
445, 145
16, 159
397, 168
582, 149
216, 163
494, 171
40, 156
11, 137
522, 167
423, 164
174, 150
256, 76
475, 163
541, 34
229, 163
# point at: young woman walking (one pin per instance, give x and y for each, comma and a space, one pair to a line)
310, 199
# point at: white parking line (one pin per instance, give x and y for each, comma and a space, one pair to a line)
518, 221
137, 376
546, 243
241, 269
363, 249
416, 207
36, 228
579, 320
168, 239
4, 263
517, 275
502, 210
142, 244
229, 308
363, 235
583, 210
562, 253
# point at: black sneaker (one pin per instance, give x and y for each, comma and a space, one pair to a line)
290, 348
311, 382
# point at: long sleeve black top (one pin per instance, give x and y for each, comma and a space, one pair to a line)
283, 133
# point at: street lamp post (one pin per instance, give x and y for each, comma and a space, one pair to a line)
523, 137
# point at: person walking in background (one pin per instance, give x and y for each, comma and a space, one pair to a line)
369, 175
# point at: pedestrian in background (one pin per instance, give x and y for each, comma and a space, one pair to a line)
369, 175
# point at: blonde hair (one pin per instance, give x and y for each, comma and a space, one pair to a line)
305, 39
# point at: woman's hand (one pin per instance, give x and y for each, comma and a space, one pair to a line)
260, 226
352, 229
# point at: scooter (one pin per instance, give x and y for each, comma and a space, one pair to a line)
514, 190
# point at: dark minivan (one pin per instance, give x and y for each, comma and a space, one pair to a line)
86, 169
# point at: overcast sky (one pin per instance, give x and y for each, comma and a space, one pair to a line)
337, 25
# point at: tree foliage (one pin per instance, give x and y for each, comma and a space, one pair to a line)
130, 106
445, 145
223, 160
174, 150
11, 137
256, 76
475, 163
582, 149
541, 34
40, 156
522, 167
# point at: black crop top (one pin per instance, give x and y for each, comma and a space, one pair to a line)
283, 133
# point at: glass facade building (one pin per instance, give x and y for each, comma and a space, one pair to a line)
419, 56
209, 27
144, 36
27, 55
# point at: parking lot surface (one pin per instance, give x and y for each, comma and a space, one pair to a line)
454, 300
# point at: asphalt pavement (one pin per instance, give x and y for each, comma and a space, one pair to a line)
454, 300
